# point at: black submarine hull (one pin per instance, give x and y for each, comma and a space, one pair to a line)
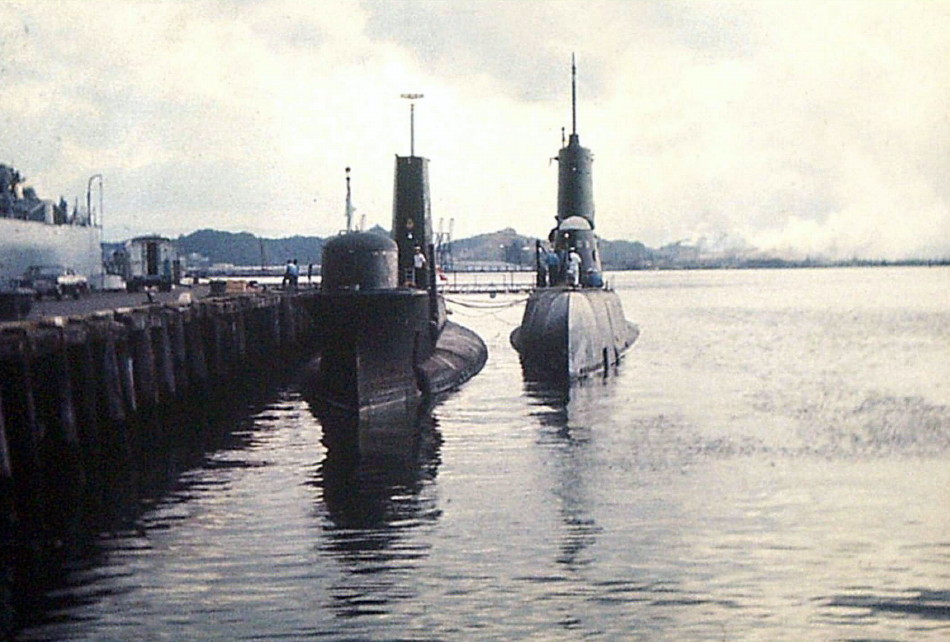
570, 333
383, 353
385, 343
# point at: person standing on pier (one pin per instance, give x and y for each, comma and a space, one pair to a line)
291, 274
288, 270
294, 274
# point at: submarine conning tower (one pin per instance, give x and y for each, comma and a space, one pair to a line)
412, 218
575, 203
575, 188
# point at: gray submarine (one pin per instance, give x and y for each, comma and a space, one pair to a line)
386, 345
573, 325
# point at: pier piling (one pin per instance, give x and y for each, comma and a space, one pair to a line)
79, 395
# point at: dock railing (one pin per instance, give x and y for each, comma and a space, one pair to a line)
487, 281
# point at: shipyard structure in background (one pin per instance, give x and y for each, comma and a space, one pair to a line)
35, 231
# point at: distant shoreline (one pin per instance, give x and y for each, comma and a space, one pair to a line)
780, 264
247, 272
212, 251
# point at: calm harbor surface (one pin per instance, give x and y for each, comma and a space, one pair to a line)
771, 461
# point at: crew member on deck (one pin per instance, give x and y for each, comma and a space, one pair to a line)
419, 267
574, 267
554, 267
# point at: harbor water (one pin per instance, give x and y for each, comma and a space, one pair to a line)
770, 462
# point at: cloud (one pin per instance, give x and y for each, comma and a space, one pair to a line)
522, 46
820, 107
802, 127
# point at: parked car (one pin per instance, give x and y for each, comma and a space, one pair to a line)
54, 280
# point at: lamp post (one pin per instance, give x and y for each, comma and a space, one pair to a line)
89, 198
412, 120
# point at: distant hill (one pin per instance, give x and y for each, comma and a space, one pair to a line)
245, 249
507, 245
504, 246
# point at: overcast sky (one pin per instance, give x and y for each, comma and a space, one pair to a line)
804, 127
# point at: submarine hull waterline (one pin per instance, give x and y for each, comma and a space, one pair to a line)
571, 333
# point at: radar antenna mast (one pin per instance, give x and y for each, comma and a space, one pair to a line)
349, 203
412, 120
573, 96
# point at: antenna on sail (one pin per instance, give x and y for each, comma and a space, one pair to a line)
573, 96
412, 120
349, 203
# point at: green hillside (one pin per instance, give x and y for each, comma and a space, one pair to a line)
507, 245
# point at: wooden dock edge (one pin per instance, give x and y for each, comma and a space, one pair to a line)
76, 391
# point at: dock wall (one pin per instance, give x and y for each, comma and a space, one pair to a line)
80, 396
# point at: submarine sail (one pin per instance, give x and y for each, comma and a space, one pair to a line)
575, 185
573, 325
385, 343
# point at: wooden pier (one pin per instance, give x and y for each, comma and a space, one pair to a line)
82, 395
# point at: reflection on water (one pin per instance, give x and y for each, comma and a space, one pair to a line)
372, 479
562, 411
864, 603
769, 462
373, 471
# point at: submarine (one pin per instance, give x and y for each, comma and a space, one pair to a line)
385, 344
573, 324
